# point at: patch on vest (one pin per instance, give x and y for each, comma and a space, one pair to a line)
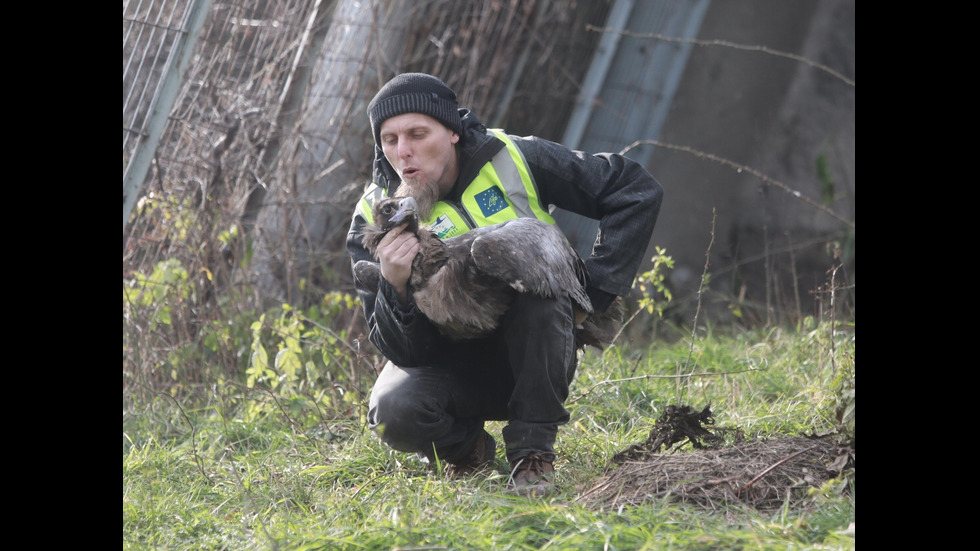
443, 227
491, 201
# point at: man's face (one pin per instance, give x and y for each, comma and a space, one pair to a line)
422, 151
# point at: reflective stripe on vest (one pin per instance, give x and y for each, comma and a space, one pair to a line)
366, 205
503, 190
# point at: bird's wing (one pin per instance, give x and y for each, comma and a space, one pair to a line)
533, 257
368, 274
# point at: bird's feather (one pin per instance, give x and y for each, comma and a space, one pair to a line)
464, 284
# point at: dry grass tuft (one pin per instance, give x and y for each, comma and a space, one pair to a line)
763, 474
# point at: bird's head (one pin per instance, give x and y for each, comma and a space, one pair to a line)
390, 212
396, 211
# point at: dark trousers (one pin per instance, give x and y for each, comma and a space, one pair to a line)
520, 374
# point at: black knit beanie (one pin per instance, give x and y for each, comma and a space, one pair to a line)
414, 93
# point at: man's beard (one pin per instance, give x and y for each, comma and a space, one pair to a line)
426, 195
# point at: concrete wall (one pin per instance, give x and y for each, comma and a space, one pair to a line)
778, 116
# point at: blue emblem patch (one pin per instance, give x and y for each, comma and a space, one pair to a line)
491, 201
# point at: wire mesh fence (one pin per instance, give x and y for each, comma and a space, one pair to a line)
228, 144
150, 28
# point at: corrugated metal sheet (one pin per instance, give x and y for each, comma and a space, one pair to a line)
628, 89
638, 78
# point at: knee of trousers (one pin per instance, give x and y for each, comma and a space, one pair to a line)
542, 308
407, 422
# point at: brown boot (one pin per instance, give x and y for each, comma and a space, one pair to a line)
480, 456
533, 475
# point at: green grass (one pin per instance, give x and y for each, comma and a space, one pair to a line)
242, 470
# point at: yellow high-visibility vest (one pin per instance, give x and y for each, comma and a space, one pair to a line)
503, 190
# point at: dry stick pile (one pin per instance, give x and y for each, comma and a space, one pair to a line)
764, 474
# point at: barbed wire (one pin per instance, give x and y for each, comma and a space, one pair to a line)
727, 44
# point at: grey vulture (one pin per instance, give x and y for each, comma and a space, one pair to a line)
464, 284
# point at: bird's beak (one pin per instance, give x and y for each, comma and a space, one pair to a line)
407, 208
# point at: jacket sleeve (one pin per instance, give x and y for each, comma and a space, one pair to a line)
403, 335
610, 188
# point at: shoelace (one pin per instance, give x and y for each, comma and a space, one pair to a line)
531, 463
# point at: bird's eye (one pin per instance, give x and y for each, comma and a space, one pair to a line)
387, 209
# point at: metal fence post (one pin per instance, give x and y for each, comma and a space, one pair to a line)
162, 103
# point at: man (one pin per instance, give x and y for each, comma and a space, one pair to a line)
434, 395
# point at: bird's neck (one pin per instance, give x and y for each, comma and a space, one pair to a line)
431, 257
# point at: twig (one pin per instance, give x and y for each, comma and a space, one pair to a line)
331, 332
833, 309
642, 377
697, 310
197, 456
275, 399
766, 471
741, 168
718, 481
626, 323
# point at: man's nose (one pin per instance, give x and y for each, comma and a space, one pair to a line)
404, 150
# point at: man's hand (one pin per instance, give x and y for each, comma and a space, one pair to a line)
396, 251
580, 316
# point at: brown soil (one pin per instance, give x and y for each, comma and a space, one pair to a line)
722, 469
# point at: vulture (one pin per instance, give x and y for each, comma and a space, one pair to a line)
464, 284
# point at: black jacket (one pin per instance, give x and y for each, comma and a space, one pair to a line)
607, 187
